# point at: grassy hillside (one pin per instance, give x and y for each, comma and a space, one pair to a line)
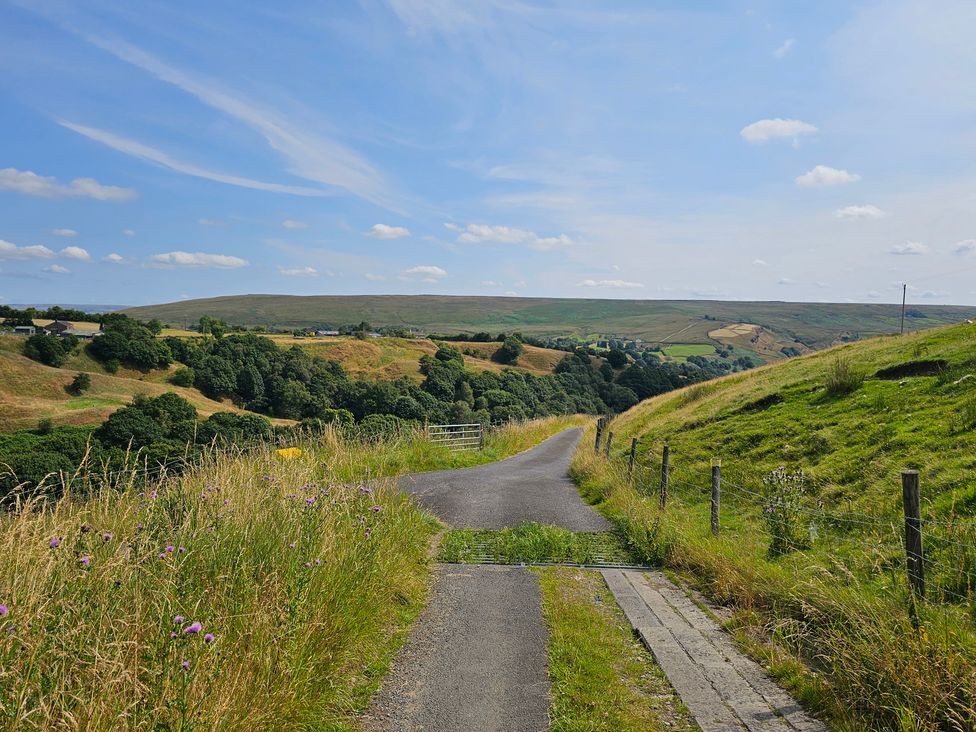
674, 321
813, 556
30, 391
303, 582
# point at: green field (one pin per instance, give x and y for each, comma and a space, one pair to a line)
817, 559
683, 350
657, 321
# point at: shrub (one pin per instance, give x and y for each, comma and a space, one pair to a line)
49, 350
842, 378
509, 351
183, 376
81, 384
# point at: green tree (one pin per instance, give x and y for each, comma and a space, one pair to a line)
509, 351
80, 384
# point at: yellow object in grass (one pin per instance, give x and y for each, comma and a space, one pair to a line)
289, 452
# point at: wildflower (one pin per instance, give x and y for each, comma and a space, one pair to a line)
85, 528
308, 564
182, 550
55, 542
162, 555
192, 629
226, 501
292, 545
208, 638
318, 562
178, 620
153, 495
376, 509
4, 610
107, 536
169, 548
185, 665
85, 561
11, 629
139, 527
310, 500
172, 634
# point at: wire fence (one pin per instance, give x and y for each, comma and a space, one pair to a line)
875, 549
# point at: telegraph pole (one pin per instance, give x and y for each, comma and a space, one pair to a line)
904, 292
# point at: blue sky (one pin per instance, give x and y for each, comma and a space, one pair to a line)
152, 151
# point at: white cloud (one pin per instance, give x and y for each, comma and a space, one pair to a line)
32, 184
785, 281
511, 293
199, 259
149, 154
771, 129
859, 212
967, 246
129, 232
78, 253
426, 272
307, 154
619, 284
823, 175
374, 277
760, 262
57, 269
909, 248
479, 233
293, 224
490, 283
35, 251
384, 231
113, 258
210, 222
299, 271
785, 48
64, 232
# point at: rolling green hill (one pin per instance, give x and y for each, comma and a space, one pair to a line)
658, 321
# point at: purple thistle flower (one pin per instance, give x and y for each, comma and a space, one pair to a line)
178, 620
85, 561
192, 629
107, 536
310, 500
4, 610
185, 665
182, 550
226, 501
153, 495
376, 509
292, 545
162, 555
55, 542
11, 629
208, 638
169, 548
318, 562
172, 634
308, 564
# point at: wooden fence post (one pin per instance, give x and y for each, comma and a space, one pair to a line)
630, 462
481, 437
609, 440
716, 493
913, 531
599, 435
665, 473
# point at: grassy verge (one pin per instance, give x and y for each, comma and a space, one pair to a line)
532, 543
843, 641
602, 678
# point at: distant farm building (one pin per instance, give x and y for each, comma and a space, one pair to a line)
83, 330
24, 330
326, 332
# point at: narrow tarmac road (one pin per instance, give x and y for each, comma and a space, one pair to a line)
531, 486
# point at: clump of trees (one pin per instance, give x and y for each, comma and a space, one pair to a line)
130, 342
50, 350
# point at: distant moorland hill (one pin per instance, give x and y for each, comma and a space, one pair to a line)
783, 324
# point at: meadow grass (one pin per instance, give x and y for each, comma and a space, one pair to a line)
532, 543
602, 677
302, 576
830, 612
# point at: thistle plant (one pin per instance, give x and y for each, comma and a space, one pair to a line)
782, 510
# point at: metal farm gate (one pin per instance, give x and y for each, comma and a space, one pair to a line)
457, 437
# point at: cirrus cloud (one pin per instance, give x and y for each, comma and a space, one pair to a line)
821, 176
64, 232
198, 259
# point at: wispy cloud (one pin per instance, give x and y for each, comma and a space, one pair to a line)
966, 246
479, 233
152, 155
909, 248
32, 184
298, 271
384, 231
113, 258
57, 269
784, 48
198, 259
821, 176
307, 155
78, 253
618, 284
294, 224
64, 232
